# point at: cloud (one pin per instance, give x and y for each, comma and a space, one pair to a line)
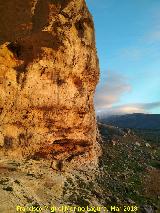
108, 95
133, 53
153, 36
129, 108
149, 106
146, 45
111, 91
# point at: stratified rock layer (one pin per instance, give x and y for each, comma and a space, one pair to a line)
48, 74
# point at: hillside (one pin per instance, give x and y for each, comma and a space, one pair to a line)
128, 175
135, 120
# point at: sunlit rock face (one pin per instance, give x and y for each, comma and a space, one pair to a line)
48, 74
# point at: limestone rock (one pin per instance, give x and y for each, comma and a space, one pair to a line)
48, 74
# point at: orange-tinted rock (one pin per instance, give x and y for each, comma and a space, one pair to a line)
48, 74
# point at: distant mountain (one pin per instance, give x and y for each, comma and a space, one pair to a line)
136, 121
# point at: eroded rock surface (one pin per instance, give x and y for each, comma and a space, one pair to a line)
48, 74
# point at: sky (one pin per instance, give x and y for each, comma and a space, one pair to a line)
128, 46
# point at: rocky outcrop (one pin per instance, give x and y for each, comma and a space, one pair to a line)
48, 74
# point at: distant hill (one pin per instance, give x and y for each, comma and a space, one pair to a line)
135, 121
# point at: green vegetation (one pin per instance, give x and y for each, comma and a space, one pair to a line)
129, 171
150, 135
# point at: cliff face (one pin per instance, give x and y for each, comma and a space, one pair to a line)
48, 74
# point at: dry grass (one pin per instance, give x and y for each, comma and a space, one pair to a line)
152, 183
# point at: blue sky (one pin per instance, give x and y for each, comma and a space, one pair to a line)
128, 45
